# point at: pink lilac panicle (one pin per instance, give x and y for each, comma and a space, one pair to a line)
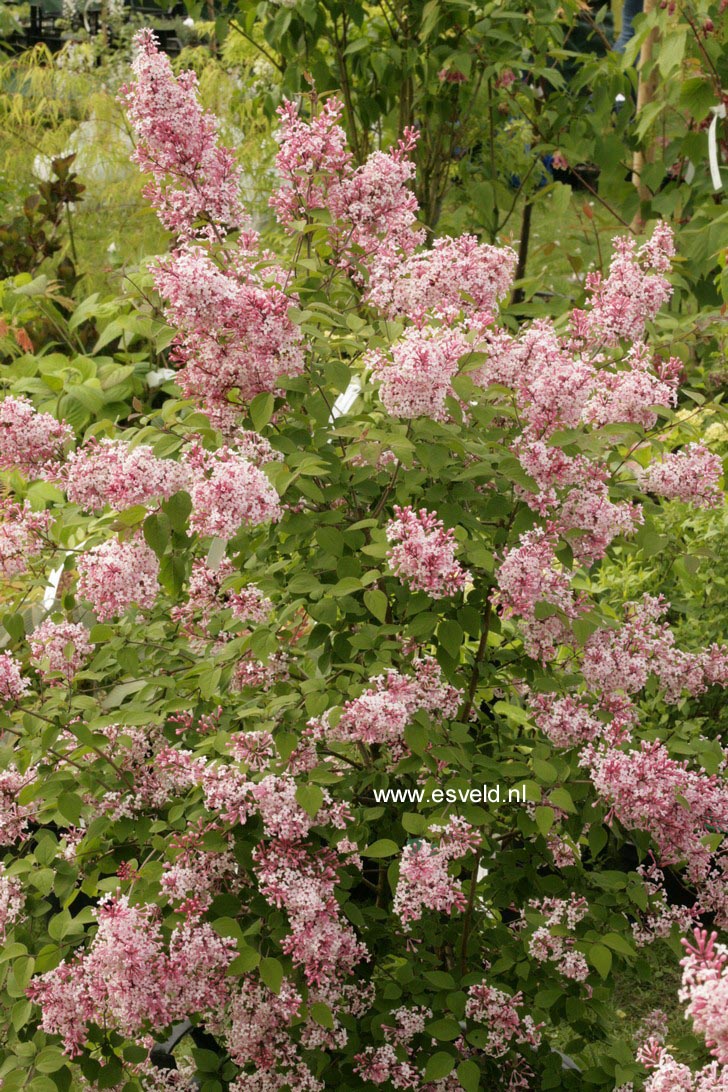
313, 155
705, 989
375, 211
12, 684
424, 882
651, 791
229, 492
115, 575
235, 338
195, 178
630, 296
12, 901
498, 1011
126, 981
422, 553
457, 277
690, 475
31, 442
59, 648
416, 377
112, 472
22, 533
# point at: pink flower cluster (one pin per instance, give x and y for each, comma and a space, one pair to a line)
313, 156
648, 790
621, 305
383, 1064
456, 277
229, 492
207, 598
622, 659
498, 1012
424, 882
690, 475
12, 901
660, 916
554, 947
21, 536
372, 209
111, 472
416, 376
303, 881
12, 684
381, 714
15, 817
705, 989
59, 649
235, 338
195, 178
530, 574
30, 442
126, 980
423, 553
115, 575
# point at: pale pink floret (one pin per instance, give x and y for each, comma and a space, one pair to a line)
59, 648
115, 575
422, 553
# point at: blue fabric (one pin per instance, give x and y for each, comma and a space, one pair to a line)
630, 9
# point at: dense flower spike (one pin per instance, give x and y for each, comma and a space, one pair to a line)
126, 980
424, 882
115, 575
312, 156
691, 475
114, 473
196, 179
234, 336
22, 533
59, 648
12, 901
416, 379
422, 553
229, 492
12, 684
499, 1013
30, 442
630, 296
207, 598
456, 277
651, 791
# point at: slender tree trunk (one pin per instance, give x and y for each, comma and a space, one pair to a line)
646, 93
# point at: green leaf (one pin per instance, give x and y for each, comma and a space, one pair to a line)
469, 1076
561, 798
383, 847
544, 819
261, 410
439, 1065
376, 602
157, 533
450, 636
271, 972
601, 959
445, 1030
512, 712
310, 797
321, 1013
